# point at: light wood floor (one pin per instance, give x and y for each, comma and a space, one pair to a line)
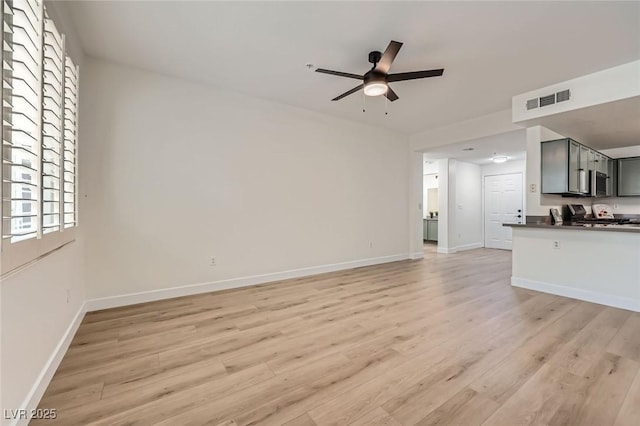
441, 341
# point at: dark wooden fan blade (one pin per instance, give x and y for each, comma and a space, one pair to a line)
354, 90
414, 75
391, 95
388, 56
340, 74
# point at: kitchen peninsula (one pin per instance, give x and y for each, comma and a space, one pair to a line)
596, 263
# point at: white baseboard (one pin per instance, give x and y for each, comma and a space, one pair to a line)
417, 255
168, 293
446, 250
449, 250
578, 293
44, 378
469, 246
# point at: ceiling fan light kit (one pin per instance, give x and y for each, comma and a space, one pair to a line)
375, 89
375, 82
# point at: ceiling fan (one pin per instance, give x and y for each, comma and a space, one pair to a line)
376, 81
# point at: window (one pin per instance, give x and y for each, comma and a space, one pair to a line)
39, 135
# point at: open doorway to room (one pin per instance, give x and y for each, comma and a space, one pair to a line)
430, 203
480, 186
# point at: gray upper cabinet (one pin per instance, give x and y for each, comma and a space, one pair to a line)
629, 177
558, 175
612, 180
564, 167
603, 164
583, 171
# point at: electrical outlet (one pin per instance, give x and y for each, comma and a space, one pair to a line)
556, 245
615, 205
532, 188
213, 261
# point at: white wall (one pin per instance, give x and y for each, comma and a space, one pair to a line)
416, 206
598, 266
34, 312
35, 317
175, 173
609, 85
474, 128
446, 217
514, 166
460, 199
467, 231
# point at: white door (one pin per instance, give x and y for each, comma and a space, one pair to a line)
502, 204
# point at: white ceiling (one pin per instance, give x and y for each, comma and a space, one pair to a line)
490, 50
510, 144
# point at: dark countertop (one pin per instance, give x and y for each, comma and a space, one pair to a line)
571, 227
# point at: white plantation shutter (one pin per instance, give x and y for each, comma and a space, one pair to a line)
52, 127
70, 142
21, 123
39, 135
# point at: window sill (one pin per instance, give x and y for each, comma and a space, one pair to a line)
17, 256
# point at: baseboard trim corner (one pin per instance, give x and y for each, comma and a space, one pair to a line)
208, 287
451, 250
44, 378
417, 255
627, 303
469, 247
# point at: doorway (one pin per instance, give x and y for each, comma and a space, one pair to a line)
502, 204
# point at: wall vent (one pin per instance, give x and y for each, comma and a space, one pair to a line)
547, 100
563, 96
532, 104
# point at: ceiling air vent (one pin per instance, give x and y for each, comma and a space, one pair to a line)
532, 104
548, 100
563, 96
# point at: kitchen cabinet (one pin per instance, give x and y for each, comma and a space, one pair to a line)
629, 177
574, 167
430, 231
603, 164
564, 167
593, 160
612, 179
567, 166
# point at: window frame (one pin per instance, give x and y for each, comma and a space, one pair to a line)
15, 254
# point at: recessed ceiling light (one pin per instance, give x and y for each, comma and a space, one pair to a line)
468, 149
500, 158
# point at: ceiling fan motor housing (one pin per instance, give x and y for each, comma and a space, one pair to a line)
374, 57
374, 77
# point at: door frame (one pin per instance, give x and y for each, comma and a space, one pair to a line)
484, 211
